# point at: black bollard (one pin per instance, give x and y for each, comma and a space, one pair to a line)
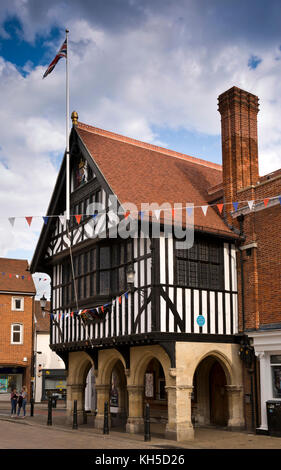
49, 421
105, 424
147, 435
31, 406
75, 423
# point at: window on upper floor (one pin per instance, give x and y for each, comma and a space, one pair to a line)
201, 266
17, 333
99, 271
18, 303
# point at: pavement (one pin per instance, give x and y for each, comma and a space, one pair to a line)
33, 433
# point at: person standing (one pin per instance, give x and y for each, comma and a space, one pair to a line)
22, 401
14, 400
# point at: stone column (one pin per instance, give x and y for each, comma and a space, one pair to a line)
135, 422
75, 392
235, 406
102, 392
179, 426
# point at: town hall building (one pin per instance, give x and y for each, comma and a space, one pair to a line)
150, 318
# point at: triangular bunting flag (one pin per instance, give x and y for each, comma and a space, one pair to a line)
173, 213
78, 218
220, 207
235, 205
141, 214
45, 220
204, 209
265, 201
127, 214
120, 300
279, 199
12, 221
126, 295
17, 276
189, 211
62, 219
250, 204
29, 220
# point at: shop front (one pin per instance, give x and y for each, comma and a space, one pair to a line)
53, 384
10, 378
267, 344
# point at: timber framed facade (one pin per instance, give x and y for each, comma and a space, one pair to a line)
149, 344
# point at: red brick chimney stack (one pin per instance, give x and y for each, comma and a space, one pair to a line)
239, 110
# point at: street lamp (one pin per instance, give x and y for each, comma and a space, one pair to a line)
131, 278
131, 281
43, 302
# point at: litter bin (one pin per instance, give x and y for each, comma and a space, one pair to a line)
273, 408
54, 402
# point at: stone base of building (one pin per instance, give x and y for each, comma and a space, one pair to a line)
135, 425
182, 432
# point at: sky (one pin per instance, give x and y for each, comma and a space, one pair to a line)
151, 70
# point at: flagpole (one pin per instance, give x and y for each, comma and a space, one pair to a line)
67, 135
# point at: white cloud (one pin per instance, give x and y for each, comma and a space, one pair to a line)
162, 71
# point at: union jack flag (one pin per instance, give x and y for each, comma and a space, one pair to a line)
62, 53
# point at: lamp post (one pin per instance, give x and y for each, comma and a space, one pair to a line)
43, 302
131, 279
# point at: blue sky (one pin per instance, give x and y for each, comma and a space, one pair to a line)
149, 70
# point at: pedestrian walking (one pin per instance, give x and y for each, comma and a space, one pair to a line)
22, 399
14, 400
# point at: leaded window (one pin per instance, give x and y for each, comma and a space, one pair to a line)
201, 266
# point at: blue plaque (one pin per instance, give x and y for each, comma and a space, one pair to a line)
200, 320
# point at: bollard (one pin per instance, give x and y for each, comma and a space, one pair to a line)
75, 423
49, 421
105, 424
147, 435
31, 406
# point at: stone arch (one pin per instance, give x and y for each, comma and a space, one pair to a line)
107, 360
211, 376
223, 361
140, 359
79, 365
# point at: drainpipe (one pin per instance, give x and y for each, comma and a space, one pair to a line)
240, 220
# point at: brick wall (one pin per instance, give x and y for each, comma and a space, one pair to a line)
13, 354
261, 227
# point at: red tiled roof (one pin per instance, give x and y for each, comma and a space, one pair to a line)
42, 323
138, 172
11, 272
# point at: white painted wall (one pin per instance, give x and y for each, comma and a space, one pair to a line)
48, 360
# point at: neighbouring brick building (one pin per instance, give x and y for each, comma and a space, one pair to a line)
258, 219
17, 292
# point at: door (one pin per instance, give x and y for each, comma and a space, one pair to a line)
218, 396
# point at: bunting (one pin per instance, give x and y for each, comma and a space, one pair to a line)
189, 209
90, 315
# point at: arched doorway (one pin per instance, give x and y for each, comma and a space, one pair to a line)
155, 394
209, 399
118, 396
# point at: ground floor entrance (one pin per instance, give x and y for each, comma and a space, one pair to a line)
186, 385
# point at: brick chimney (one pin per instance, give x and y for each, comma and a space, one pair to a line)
238, 110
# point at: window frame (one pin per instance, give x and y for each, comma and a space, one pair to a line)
193, 257
20, 332
14, 299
